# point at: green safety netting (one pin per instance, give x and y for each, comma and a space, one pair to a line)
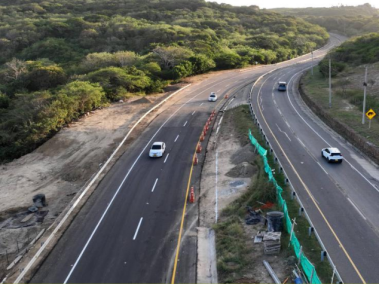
307, 266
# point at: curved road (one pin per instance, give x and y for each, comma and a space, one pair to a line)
341, 199
128, 229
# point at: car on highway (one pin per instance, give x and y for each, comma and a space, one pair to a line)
212, 97
282, 86
157, 149
332, 155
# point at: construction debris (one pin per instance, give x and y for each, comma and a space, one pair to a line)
254, 216
271, 272
271, 242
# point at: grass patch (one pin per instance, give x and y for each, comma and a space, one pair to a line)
346, 103
232, 244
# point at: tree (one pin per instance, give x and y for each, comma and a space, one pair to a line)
182, 70
15, 68
126, 58
172, 55
94, 61
201, 64
4, 101
88, 95
46, 77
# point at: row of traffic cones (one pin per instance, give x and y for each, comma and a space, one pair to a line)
191, 197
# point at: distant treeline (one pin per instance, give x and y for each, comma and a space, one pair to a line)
62, 58
346, 20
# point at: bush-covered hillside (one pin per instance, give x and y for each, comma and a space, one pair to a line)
61, 58
352, 53
347, 20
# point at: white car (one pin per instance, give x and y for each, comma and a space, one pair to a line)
332, 155
212, 97
157, 149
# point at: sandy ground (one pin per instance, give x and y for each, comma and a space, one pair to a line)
59, 169
235, 169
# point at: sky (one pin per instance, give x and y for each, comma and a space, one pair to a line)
296, 3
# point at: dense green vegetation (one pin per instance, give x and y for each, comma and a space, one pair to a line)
354, 52
62, 58
347, 20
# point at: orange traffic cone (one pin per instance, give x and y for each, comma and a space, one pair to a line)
204, 132
198, 148
192, 195
195, 160
202, 137
226, 96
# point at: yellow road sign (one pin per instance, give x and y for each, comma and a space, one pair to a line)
370, 114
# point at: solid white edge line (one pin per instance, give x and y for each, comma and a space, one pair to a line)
356, 208
220, 120
48, 240
201, 104
193, 112
185, 124
322, 168
166, 158
139, 225
114, 196
155, 183
216, 189
176, 138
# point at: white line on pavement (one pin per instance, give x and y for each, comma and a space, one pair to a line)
288, 125
301, 142
280, 112
166, 158
283, 132
201, 104
176, 138
185, 123
216, 190
366, 179
356, 208
193, 112
155, 183
139, 225
119, 188
322, 168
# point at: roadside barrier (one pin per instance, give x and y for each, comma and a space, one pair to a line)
302, 210
306, 265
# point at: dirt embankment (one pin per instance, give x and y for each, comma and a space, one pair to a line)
59, 169
228, 172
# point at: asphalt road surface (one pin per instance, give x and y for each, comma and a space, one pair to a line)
128, 229
341, 199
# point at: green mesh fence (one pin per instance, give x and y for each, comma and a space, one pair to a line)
306, 265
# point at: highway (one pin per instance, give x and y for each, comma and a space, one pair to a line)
128, 230
341, 199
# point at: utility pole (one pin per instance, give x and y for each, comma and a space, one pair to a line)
330, 83
364, 97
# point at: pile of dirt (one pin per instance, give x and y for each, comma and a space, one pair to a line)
244, 169
244, 154
142, 100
